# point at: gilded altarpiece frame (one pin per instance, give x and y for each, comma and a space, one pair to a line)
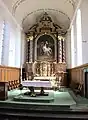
45, 48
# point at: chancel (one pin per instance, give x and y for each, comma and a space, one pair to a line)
43, 59
45, 56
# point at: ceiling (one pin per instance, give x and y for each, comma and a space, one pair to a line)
26, 12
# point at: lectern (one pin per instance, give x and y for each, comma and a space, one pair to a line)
3, 90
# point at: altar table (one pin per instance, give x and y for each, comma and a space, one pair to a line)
37, 83
33, 84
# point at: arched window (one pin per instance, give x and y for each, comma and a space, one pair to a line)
2, 25
6, 37
79, 37
72, 47
11, 60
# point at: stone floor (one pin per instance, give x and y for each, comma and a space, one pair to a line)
61, 97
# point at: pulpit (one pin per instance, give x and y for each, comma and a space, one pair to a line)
3, 90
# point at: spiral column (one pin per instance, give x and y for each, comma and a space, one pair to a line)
64, 60
60, 49
28, 50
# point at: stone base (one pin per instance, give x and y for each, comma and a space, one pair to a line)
37, 99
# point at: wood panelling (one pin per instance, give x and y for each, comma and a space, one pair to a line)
10, 75
77, 74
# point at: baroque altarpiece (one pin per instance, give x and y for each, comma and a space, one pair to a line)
45, 55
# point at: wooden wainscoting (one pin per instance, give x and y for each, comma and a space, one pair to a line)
77, 74
10, 75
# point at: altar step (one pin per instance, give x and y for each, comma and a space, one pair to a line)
36, 99
10, 110
13, 113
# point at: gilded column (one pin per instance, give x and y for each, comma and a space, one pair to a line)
64, 51
41, 67
31, 48
60, 49
52, 70
27, 50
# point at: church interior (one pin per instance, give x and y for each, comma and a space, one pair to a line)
43, 59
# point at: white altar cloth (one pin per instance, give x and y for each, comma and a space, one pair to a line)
45, 78
37, 84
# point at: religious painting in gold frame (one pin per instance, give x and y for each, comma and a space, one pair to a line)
45, 48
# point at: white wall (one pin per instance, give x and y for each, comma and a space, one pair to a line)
16, 31
84, 34
68, 49
84, 10
18, 48
75, 43
23, 48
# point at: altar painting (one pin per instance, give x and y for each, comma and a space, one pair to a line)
45, 48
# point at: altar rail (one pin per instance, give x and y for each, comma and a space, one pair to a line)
10, 75
76, 74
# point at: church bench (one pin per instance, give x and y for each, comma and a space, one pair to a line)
13, 84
